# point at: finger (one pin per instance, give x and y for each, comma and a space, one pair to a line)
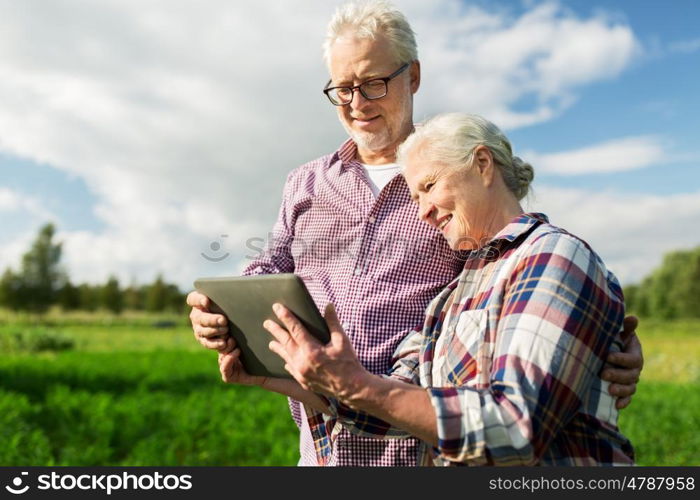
634, 346
229, 345
224, 359
622, 403
339, 339
196, 299
625, 360
331, 317
215, 344
280, 334
279, 349
620, 376
292, 324
208, 319
211, 333
226, 363
629, 325
622, 391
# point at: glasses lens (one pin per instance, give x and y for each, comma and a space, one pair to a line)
373, 89
340, 95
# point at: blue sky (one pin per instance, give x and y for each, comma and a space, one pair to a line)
145, 132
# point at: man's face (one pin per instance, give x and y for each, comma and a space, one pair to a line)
378, 125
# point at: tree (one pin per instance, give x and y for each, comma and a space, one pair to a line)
670, 291
684, 293
176, 299
69, 297
112, 298
631, 293
10, 289
157, 295
161, 296
40, 276
89, 297
134, 298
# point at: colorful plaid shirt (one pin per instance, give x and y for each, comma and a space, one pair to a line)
375, 260
511, 352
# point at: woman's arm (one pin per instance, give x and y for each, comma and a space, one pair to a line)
397, 403
559, 315
366, 404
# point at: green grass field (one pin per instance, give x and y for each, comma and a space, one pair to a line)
88, 389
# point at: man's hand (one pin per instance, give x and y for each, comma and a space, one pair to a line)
232, 371
626, 365
210, 330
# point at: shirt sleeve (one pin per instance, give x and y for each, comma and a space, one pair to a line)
560, 313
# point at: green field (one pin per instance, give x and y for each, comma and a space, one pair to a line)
102, 390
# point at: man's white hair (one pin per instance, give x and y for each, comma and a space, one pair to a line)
368, 19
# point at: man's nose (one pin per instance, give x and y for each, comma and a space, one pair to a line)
358, 101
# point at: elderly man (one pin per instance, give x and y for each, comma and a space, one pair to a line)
348, 228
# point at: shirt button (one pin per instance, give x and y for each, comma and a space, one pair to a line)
372, 219
358, 271
346, 327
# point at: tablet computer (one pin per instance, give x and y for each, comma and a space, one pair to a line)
247, 302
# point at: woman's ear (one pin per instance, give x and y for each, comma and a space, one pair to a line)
483, 161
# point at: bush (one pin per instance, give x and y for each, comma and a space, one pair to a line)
35, 340
147, 408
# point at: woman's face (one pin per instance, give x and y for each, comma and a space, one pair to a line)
454, 199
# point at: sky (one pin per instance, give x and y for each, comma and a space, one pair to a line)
157, 135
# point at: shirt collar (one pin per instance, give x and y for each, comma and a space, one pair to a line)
347, 153
522, 224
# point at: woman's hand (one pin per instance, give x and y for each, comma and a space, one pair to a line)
332, 369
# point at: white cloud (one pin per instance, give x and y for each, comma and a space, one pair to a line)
616, 155
183, 118
492, 62
631, 232
14, 201
685, 46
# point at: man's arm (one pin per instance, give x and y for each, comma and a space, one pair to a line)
624, 368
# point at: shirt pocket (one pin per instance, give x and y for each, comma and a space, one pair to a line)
466, 351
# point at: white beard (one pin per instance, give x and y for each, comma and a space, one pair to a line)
370, 141
382, 139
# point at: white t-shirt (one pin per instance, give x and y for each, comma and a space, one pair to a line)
380, 175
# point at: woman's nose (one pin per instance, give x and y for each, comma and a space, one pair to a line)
425, 209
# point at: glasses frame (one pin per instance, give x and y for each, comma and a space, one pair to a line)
385, 79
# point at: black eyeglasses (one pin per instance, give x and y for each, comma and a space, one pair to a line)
375, 88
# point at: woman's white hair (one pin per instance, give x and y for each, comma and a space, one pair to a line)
368, 19
451, 138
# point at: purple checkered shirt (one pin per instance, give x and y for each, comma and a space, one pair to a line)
371, 257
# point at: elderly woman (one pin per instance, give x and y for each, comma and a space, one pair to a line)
505, 369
